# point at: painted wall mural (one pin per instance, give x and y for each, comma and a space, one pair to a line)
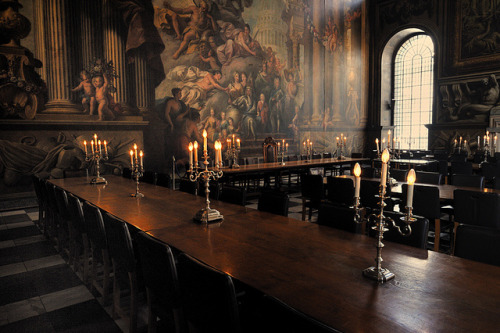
247, 68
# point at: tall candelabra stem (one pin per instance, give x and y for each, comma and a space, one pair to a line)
137, 172
97, 157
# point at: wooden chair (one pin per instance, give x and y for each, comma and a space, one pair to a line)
398, 174
468, 180
339, 217
79, 242
186, 185
340, 191
428, 177
275, 202
233, 194
100, 272
270, 150
313, 193
38, 186
208, 297
163, 179
161, 281
478, 243
125, 276
419, 231
63, 217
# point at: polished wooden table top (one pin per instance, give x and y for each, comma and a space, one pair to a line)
276, 166
314, 268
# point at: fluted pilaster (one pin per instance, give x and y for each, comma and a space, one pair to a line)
114, 50
144, 89
91, 35
337, 69
318, 61
38, 30
59, 61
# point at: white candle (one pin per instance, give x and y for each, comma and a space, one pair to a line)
385, 160
389, 139
478, 141
216, 146
92, 146
204, 140
460, 143
195, 146
376, 143
233, 139
105, 147
357, 183
190, 148
238, 143
132, 158
220, 153
135, 152
411, 181
85, 145
141, 154
99, 143
286, 149
495, 143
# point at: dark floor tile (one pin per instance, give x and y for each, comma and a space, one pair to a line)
26, 252
31, 210
84, 317
15, 218
38, 282
33, 324
18, 233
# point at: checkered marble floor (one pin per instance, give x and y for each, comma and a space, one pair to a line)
39, 292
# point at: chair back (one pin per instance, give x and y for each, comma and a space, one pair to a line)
489, 171
327, 155
274, 202
398, 174
425, 201
148, 177
428, 177
316, 156
368, 193
477, 208
281, 317
312, 187
356, 155
468, 180
460, 158
208, 297
340, 191
252, 160
478, 243
339, 217
270, 150
213, 187
159, 271
461, 168
419, 231
233, 194
77, 221
127, 173
37, 187
163, 179
95, 228
186, 185
62, 203
120, 245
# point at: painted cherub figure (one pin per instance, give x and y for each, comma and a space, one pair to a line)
101, 85
88, 92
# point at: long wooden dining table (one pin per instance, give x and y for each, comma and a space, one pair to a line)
315, 269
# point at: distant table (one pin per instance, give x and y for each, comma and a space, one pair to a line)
315, 269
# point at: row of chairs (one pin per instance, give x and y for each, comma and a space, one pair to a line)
184, 293
151, 177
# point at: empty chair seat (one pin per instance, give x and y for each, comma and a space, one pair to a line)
428, 177
274, 202
340, 191
338, 217
208, 297
478, 243
161, 281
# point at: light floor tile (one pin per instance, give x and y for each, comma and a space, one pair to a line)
19, 225
44, 262
7, 243
66, 297
13, 212
33, 216
27, 308
12, 269
29, 240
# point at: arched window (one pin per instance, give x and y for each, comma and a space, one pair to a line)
413, 91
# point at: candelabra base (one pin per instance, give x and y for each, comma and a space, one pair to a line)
137, 195
98, 180
208, 216
235, 166
382, 276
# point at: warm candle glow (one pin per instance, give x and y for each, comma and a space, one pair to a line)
385, 156
105, 147
411, 181
85, 145
141, 154
357, 170
190, 147
411, 178
132, 158
205, 140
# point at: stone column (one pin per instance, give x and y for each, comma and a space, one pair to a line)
114, 50
144, 90
39, 31
308, 75
337, 70
318, 64
90, 34
60, 57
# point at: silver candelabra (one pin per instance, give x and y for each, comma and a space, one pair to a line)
233, 151
137, 170
96, 156
207, 214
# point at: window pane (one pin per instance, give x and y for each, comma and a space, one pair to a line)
413, 82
